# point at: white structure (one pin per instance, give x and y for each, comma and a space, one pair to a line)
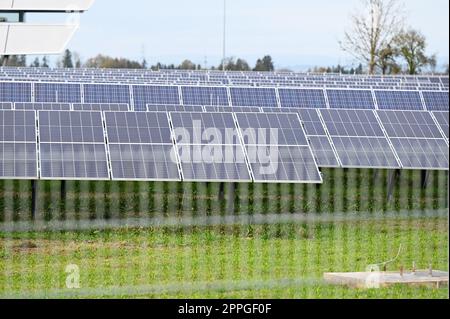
18, 38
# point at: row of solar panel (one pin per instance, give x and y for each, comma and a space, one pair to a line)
141, 146
263, 147
138, 96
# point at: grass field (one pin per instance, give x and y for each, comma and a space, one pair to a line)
345, 224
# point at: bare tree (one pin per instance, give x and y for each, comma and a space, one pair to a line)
373, 30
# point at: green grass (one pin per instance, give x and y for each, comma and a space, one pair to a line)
224, 261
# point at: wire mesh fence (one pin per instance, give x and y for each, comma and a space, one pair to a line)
212, 240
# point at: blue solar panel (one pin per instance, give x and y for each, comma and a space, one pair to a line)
68, 161
17, 126
193, 128
399, 100
351, 99
205, 96
15, 92
18, 149
166, 108
42, 106
360, 152
98, 93
409, 124
138, 128
209, 162
271, 129
359, 139
352, 123
304, 98
144, 95
260, 97
57, 93
443, 119
100, 107
422, 153
143, 162
70, 127
436, 101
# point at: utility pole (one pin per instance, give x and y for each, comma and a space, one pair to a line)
224, 33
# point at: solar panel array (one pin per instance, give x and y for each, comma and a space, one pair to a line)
86, 129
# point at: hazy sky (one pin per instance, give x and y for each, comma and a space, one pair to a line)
295, 32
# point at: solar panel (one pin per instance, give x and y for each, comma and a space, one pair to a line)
165, 95
422, 153
205, 95
436, 101
259, 97
6, 106
443, 119
351, 99
42, 106
141, 147
99, 93
70, 127
416, 139
352, 123
143, 162
399, 100
15, 92
100, 107
277, 148
18, 149
304, 98
209, 147
409, 124
271, 129
238, 109
57, 93
72, 145
359, 139
138, 128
